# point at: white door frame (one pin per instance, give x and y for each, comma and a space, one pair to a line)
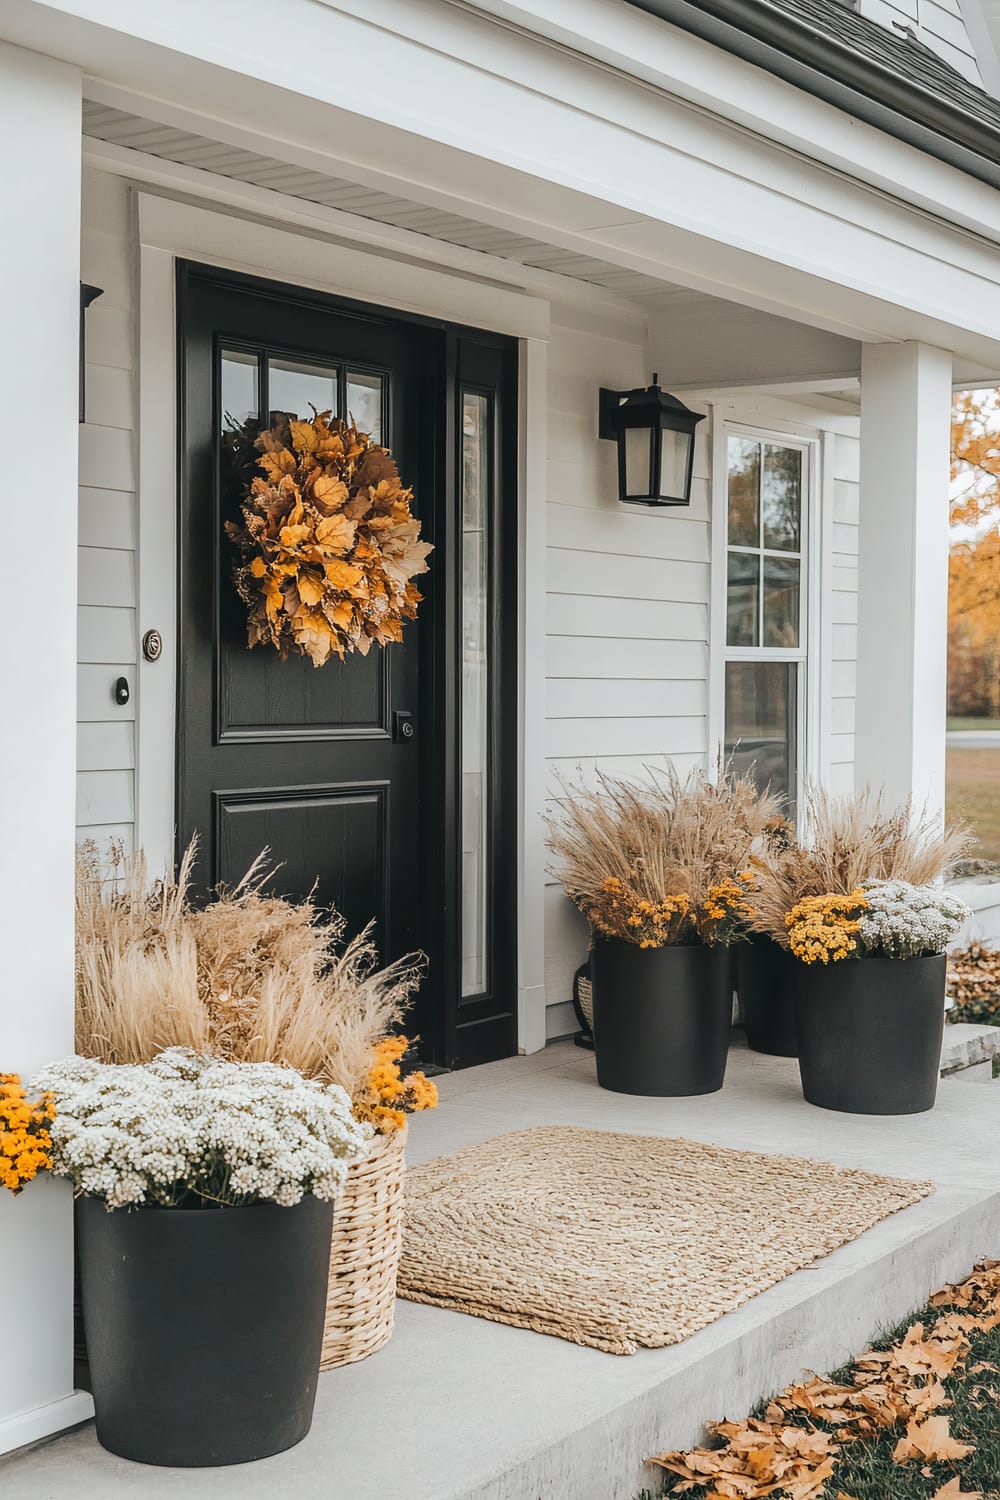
167, 229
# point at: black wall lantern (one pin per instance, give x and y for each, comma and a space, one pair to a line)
88, 294
655, 436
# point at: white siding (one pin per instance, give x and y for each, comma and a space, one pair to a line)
106, 620
627, 605
939, 24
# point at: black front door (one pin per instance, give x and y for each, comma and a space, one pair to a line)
347, 773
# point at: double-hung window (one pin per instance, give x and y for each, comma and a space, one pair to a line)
765, 618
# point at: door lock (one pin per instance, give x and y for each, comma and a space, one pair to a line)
403, 727
152, 645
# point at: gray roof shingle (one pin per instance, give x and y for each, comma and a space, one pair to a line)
884, 76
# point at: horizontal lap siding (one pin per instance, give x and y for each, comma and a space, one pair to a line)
627, 593
106, 618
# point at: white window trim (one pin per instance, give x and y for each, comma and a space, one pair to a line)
813, 650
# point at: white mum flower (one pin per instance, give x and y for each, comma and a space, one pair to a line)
187, 1128
909, 921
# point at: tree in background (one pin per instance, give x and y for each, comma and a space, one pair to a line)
974, 565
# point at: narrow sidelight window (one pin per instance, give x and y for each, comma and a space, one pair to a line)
476, 479
765, 609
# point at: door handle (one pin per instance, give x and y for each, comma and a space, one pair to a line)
404, 730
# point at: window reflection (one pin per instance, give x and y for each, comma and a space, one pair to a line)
476, 487
743, 599
781, 497
240, 387
761, 720
364, 402
744, 490
295, 388
781, 601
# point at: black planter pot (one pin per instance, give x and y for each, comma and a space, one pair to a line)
661, 1017
869, 1032
204, 1327
765, 980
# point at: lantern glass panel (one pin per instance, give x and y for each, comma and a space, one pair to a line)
638, 442
675, 451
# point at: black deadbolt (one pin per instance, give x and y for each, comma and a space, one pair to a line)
121, 691
403, 727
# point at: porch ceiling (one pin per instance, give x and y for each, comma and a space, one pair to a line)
134, 132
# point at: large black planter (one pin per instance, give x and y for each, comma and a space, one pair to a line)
661, 1017
204, 1327
869, 1032
765, 980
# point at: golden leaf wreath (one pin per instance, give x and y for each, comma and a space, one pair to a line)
328, 547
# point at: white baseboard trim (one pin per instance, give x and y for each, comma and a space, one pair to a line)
45, 1421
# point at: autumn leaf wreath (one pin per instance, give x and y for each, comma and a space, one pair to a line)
328, 548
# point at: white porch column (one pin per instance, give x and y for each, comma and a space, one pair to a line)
40, 163
903, 579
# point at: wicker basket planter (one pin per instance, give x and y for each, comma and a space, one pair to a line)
364, 1255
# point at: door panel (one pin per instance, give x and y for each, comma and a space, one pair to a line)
335, 836
282, 754
308, 762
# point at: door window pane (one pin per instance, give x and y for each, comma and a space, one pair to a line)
781, 497
476, 487
743, 599
761, 718
240, 388
295, 388
781, 601
364, 402
744, 491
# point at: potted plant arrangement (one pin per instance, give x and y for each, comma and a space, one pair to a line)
866, 927
205, 1197
254, 977
765, 977
661, 872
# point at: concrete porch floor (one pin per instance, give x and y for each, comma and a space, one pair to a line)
456, 1408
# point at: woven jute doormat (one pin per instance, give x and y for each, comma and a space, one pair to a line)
623, 1242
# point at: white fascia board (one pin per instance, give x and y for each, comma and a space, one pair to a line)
647, 48
586, 172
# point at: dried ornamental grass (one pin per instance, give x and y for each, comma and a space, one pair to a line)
328, 545
661, 861
249, 977
851, 842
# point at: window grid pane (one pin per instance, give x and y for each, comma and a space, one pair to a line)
294, 388
761, 734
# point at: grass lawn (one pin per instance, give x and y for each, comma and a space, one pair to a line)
920, 1421
973, 793
984, 724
